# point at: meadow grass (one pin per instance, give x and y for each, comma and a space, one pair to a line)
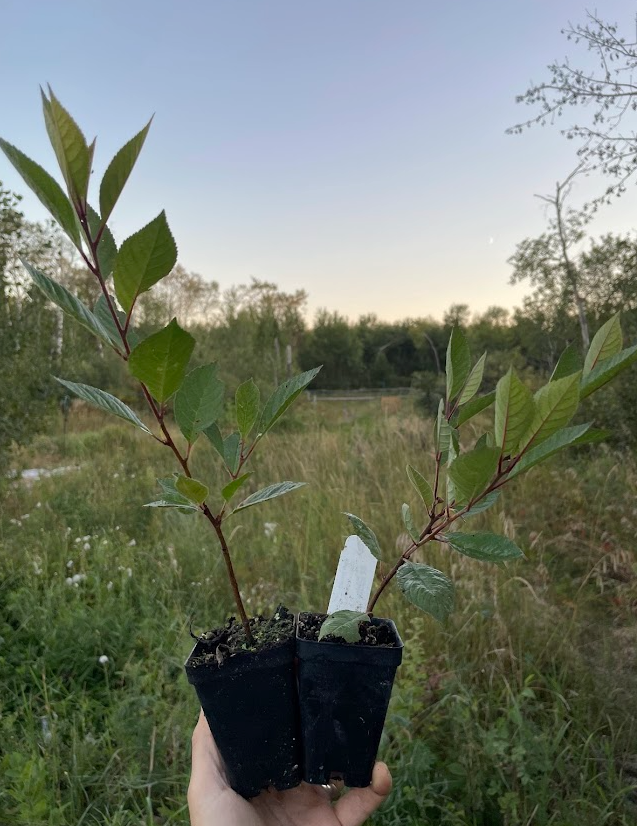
520, 710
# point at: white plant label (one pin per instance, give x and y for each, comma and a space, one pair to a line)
354, 577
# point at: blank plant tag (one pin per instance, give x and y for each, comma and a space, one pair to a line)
354, 577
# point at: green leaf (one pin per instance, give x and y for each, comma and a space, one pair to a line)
104, 401
422, 486
182, 507
458, 363
555, 406
607, 370
474, 381
606, 343
514, 410
160, 360
47, 189
265, 494
366, 534
69, 144
408, 522
283, 397
103, 314
199, 401
118, 172
345, 624
143, 260
442, 433
213, 434
427, 588
232, 487
107, 248
486, 440
192, 489
569, 362
483, 504
247, 401
471, 472
67, 302
475, 406
232, 451
559, 440
488, 547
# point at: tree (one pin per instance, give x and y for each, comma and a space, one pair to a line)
333, 343
547, 260
602, 87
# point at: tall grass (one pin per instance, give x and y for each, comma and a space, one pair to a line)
518, 711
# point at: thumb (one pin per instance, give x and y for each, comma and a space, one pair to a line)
357, 805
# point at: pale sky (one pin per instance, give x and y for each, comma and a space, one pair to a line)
353, 148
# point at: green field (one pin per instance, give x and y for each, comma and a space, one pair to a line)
519, 711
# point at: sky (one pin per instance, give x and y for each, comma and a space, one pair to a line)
352, 148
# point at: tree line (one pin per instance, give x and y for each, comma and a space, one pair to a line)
256, 329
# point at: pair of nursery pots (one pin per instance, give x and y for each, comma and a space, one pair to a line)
303, 710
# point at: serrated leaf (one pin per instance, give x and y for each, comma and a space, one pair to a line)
232, 487
483, 504
186, 507
607, 342
568, 363
265, 494
344, 624
472, 472
192, 489
408, 522
67, 302
118, 171
514, 411
488, 547
472, 408
107, 248
104, 401
555, 406
422, 486
103, 314
232, 451
199, 401
474, 381
427, 588
143, 260
442, 433
70, 147
366, 534
213, 434
283, 397
46, 188
559, 440
247, 400
458, 363
160, 360
607, 370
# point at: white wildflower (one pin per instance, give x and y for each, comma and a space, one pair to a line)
109, 586
78, 578
70, 563
132, 543
269, 529
86, 546
69, 580
103, 659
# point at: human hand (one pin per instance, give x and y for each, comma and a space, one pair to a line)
212, 802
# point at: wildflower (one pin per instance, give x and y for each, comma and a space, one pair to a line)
86, 546
78, 578
116, 476
129, 572
70, 563
132, 543
69, 580
103, 659
109, 586
38, 504
269, 529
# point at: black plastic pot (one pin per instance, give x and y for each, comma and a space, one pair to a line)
251, 705
344, 692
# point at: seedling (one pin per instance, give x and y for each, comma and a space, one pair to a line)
159, 362
527, 429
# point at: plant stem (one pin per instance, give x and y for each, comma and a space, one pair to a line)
168, 440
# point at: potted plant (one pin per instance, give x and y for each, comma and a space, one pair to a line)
244, 672
347, 660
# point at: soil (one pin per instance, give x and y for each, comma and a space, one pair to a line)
380, 635
221, 644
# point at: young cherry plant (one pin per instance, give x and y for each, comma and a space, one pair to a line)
158, 362
527, 429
